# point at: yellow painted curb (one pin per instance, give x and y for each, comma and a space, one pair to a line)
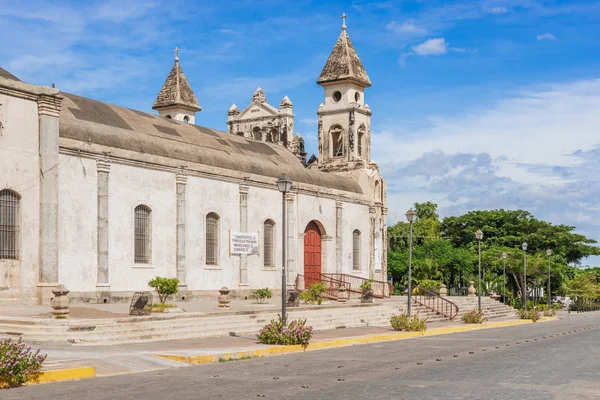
330, 344
67, 374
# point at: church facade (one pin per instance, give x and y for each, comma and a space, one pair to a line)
102, 198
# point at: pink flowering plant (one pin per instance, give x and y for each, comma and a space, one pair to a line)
296, 332
19, 363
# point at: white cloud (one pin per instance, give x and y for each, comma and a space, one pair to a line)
431, 47
498, 10
407, 27
546, 36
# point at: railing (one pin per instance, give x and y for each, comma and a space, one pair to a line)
380, 289
333, 286
435, 303
584, 306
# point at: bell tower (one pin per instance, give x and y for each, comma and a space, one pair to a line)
344, 117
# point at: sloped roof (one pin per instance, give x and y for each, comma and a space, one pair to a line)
176, 91
149, 138
5, 74
344, 64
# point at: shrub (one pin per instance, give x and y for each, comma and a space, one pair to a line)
366, 285
404, 322
296, 332
314, 293
19, 364
165, 287
262, 294
474, 317
551, 312
430, 285
531, 314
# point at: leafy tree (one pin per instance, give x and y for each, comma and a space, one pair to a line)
165, 287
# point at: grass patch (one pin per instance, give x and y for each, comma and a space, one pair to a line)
159, 307
221, 359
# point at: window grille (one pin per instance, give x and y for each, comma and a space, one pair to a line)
356, 249
269, 244
9, 225
143, 234
212, 239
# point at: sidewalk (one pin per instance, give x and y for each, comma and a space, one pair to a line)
143, 357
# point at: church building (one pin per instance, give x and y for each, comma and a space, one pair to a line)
102, 198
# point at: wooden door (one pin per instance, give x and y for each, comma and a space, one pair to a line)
312, 254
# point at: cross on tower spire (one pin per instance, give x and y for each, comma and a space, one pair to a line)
176, 53
343, 17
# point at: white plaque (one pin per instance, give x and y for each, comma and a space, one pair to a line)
243, 243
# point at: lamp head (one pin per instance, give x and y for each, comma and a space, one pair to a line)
283, 184
504, 255
524, 246
410, 215
549, 252
478, 234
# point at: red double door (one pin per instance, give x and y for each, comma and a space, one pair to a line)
312, 254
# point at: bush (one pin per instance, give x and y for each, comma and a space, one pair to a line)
262, 294
19, 364
314, 293
296, 332
531, 314
474, 317
551, 312
430, 285
165, 287
366, 285
404, 322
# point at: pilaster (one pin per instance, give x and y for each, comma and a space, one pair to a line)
372, 239
244, 188
48, 112
339, 207
181, 182
291, 244
103, 170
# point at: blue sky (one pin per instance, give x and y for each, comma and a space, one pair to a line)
476, 104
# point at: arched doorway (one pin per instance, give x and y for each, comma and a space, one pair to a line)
312, 254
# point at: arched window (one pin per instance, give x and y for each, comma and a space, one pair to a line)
143, 234
377, 191
186, 119
257, 133
337, 142
356, 249
167, 116
212, 239
269, 244
10, 222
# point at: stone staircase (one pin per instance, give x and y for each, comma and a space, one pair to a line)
99, 332
492, 308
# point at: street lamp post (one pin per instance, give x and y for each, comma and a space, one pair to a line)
524, 291
504, 278
410, 216
284, 186
549, 253
479, 236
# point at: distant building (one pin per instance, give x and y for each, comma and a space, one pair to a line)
103, 198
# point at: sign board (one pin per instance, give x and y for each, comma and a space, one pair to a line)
243, 243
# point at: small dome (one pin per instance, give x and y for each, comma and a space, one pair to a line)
233, 110
285, 103
367, 107
321, 105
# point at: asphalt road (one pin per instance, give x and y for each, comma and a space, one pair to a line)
549, 360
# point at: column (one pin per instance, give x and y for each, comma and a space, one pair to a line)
181, 181
48, 111
338, 236
103, 169
384, 243
244, 188
372, 211
291, 244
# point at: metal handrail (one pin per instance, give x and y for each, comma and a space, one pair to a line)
435, 302
380, 289
332, 285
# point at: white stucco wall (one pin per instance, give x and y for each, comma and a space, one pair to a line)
355, 216
78, 208
19, 171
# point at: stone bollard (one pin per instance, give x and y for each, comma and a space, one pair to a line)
443, 290
471, 289
224, 300
60, 302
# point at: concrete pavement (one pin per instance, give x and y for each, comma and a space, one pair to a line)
533, 361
